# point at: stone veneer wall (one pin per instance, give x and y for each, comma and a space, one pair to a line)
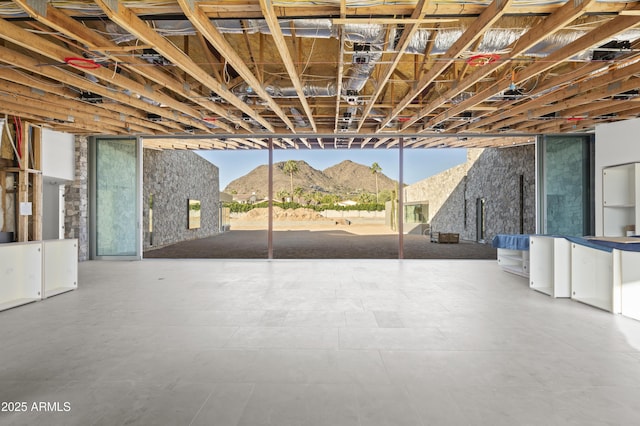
76, 198
174, 177
492, 174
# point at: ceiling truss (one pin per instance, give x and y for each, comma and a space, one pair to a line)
329, 74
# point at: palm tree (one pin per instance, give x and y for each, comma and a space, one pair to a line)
282, 194
375, 169
297, 192
291, 167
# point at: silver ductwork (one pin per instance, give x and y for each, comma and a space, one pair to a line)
298, 118
286, 90
493, 41
359, 73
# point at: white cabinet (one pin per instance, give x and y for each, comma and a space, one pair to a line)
20, 274
630, 283
550, 265
514, 261
60, 263
36, 270
620, 196
595, 277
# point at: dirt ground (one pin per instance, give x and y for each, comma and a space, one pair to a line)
300, 239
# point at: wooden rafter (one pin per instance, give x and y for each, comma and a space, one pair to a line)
408, 32
27, 63
612, 28
550, 25
490, 15
126, 19
278, 38
217, 40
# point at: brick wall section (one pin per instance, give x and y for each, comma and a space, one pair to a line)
76, 196
174, 177
492, 174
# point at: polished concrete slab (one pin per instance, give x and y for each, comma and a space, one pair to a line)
314, 342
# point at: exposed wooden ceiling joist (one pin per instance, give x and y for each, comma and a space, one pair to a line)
299, 69
278, 38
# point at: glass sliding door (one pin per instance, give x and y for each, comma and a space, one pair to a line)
115, 201
566, 175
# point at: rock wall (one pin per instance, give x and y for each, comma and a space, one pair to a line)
493, 174
76, 197
172, 178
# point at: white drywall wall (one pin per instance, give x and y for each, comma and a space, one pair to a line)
616, 143
58, 156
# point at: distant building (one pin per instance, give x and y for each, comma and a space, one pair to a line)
245, 198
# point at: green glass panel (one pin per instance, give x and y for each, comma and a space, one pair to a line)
116, 195
566, 183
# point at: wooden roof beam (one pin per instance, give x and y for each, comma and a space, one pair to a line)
587, 91
276, 32
122, 16
74, 108
11, 57
409, 31
24, 87
39, 45
550, 25
63, 23
201, 22
489, 16
45, 114
340, 77
598, 35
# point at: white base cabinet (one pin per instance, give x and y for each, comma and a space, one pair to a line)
514, 261
20, 274
630, 284
36, 270
60, 261
550, 265
595, 277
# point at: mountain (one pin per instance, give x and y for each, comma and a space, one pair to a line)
344, 178
353, 177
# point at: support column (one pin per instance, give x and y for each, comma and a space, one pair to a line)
270, 195
401, 199
36, 217
23, 183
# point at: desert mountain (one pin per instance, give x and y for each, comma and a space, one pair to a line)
346, 177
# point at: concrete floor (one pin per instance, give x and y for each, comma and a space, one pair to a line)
312, 342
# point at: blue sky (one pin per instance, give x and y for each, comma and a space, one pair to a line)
418, 163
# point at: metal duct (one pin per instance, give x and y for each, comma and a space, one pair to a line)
359, 74
279, 90
418, 43
445, 39
554, 42
498, 39
315, 28
494, 40
364, 33
298, 118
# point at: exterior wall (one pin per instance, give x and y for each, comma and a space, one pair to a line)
76, 198
492, 174
174, 177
